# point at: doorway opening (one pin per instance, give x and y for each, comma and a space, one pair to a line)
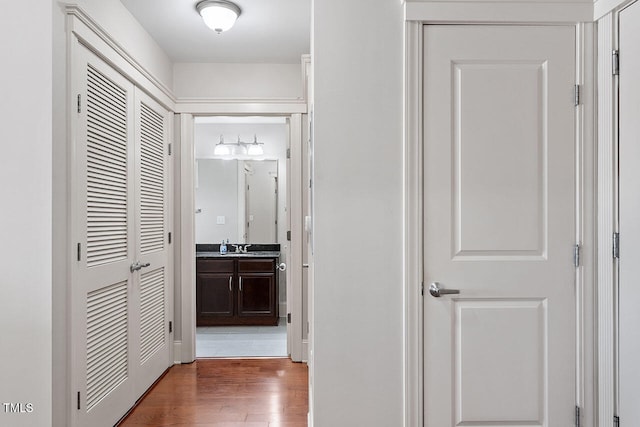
241, 208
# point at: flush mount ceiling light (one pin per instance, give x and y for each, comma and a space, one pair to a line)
219, 15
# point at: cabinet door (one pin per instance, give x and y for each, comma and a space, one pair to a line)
256, 295
214, 295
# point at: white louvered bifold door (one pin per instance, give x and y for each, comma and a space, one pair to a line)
103, 227
152, 245
120, 314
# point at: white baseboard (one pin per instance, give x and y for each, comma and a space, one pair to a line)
282, 309
177, 352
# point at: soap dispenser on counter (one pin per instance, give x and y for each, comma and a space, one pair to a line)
223, 248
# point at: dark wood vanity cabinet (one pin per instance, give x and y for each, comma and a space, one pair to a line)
236, 291
214, 289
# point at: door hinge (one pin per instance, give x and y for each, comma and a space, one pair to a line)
78, 401
577, 421
616, 421
169, 149
288, 317
616, 246
78, 103
79, 251
576, 256
169, 237
615, 62
170, 326
576, 95
289, 235
422, 288
288, 153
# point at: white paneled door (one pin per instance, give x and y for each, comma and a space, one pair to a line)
120, 273
629, 287
500, 226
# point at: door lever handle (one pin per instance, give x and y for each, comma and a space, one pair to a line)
437, 292
138, 266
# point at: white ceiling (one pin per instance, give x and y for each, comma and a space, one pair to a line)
267, 31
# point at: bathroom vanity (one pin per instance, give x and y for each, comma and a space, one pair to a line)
237, 288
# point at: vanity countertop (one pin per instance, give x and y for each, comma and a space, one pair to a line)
255, 254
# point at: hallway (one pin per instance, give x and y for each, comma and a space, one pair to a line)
229, 393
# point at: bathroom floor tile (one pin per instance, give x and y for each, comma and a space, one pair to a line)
242, 341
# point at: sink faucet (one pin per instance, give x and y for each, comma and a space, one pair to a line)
238, 248
244, 250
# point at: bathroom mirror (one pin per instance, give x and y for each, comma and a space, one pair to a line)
236, 199
224, 204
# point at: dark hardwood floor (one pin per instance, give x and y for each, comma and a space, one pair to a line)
227, 393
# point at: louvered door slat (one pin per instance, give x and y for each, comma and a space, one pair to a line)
107, 174
105, 114
98, 190
105, 88
152, 172
102, 175
110, 162
152, 180
104, 98
101, 124
106, 341
107, 146
110, 88
152, 320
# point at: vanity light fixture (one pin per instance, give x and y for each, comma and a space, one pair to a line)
255, 148
222, 149
219, 15
238, 148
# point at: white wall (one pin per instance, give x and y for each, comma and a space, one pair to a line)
358, 186
253, 81
25, 217
116, 20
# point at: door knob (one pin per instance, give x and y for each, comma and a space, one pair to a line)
437, 292
282, 266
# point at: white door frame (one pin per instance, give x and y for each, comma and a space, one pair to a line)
607, 154
413, 209
608, 212
185, 348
